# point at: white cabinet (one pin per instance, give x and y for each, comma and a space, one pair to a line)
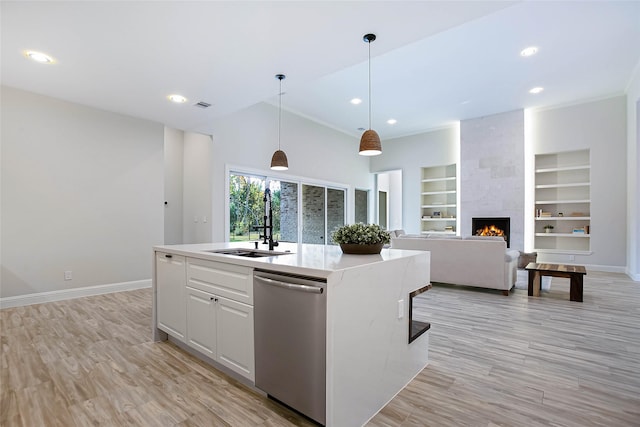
221, 329
201, 322
209, 306
221, 296
170, 290
227, 280
563, 202
438, 200
235, 336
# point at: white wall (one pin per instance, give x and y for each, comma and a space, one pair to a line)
198, 189
601, 127
82, 190
633, 174
173, 185
248, 139
411, 153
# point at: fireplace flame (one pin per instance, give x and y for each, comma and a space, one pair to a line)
489, 230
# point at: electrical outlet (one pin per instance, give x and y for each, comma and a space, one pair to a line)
68, 275
572, 257
400, 309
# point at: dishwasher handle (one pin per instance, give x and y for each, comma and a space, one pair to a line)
290, 286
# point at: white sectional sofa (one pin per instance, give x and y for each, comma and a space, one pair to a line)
471, 261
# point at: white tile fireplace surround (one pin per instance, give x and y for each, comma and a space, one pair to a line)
492, 172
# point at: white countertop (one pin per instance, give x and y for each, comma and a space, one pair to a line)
308, 259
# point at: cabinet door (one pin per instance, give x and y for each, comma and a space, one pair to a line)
235, 337
201, 321
170, 288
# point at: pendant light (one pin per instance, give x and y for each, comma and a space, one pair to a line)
279, 160
370, 141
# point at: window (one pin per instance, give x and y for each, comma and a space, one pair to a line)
246, 207
318, 209
362, 207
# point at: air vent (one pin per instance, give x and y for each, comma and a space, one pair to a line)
202, 104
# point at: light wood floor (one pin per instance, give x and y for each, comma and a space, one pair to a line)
494, 361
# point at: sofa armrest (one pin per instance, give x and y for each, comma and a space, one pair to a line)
511, 266
511, 255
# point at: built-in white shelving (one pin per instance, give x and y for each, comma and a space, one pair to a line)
563, 202
438, 200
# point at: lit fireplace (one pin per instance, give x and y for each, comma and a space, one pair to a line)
491, 227
490, 230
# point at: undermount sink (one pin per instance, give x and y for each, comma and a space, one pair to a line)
247, 253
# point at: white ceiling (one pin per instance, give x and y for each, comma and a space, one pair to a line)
434, 62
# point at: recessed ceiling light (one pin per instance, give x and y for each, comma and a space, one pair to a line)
529, 51
178, 99
40, 57
392, 121
356, 101
536, 90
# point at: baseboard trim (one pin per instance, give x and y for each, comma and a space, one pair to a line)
634, 277
605, 268
64, 294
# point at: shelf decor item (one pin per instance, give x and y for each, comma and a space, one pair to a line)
361, 238
548, 228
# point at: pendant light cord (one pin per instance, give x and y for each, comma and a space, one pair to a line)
369, 43
279, 113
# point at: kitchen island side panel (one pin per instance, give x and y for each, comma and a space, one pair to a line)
369, 359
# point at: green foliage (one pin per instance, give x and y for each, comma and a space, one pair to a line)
362, 234
246, 207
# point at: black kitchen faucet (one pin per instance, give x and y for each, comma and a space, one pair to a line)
267, 227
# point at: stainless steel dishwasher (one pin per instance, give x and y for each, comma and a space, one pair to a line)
290, 314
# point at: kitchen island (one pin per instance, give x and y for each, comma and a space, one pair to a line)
205, 301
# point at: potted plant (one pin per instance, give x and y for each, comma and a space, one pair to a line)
548, 228
361, 238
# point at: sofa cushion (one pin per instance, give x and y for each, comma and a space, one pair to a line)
414, 236
526, 258
483, 238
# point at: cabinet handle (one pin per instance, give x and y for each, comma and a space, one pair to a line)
168, 256
213, 299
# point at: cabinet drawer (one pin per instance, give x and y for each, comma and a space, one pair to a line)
227, 280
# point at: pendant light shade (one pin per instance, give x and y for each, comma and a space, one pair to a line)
279, 160
370, 144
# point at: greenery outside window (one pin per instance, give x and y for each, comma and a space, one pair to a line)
318, 208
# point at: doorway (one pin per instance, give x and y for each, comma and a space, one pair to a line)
389, 195
383, 210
